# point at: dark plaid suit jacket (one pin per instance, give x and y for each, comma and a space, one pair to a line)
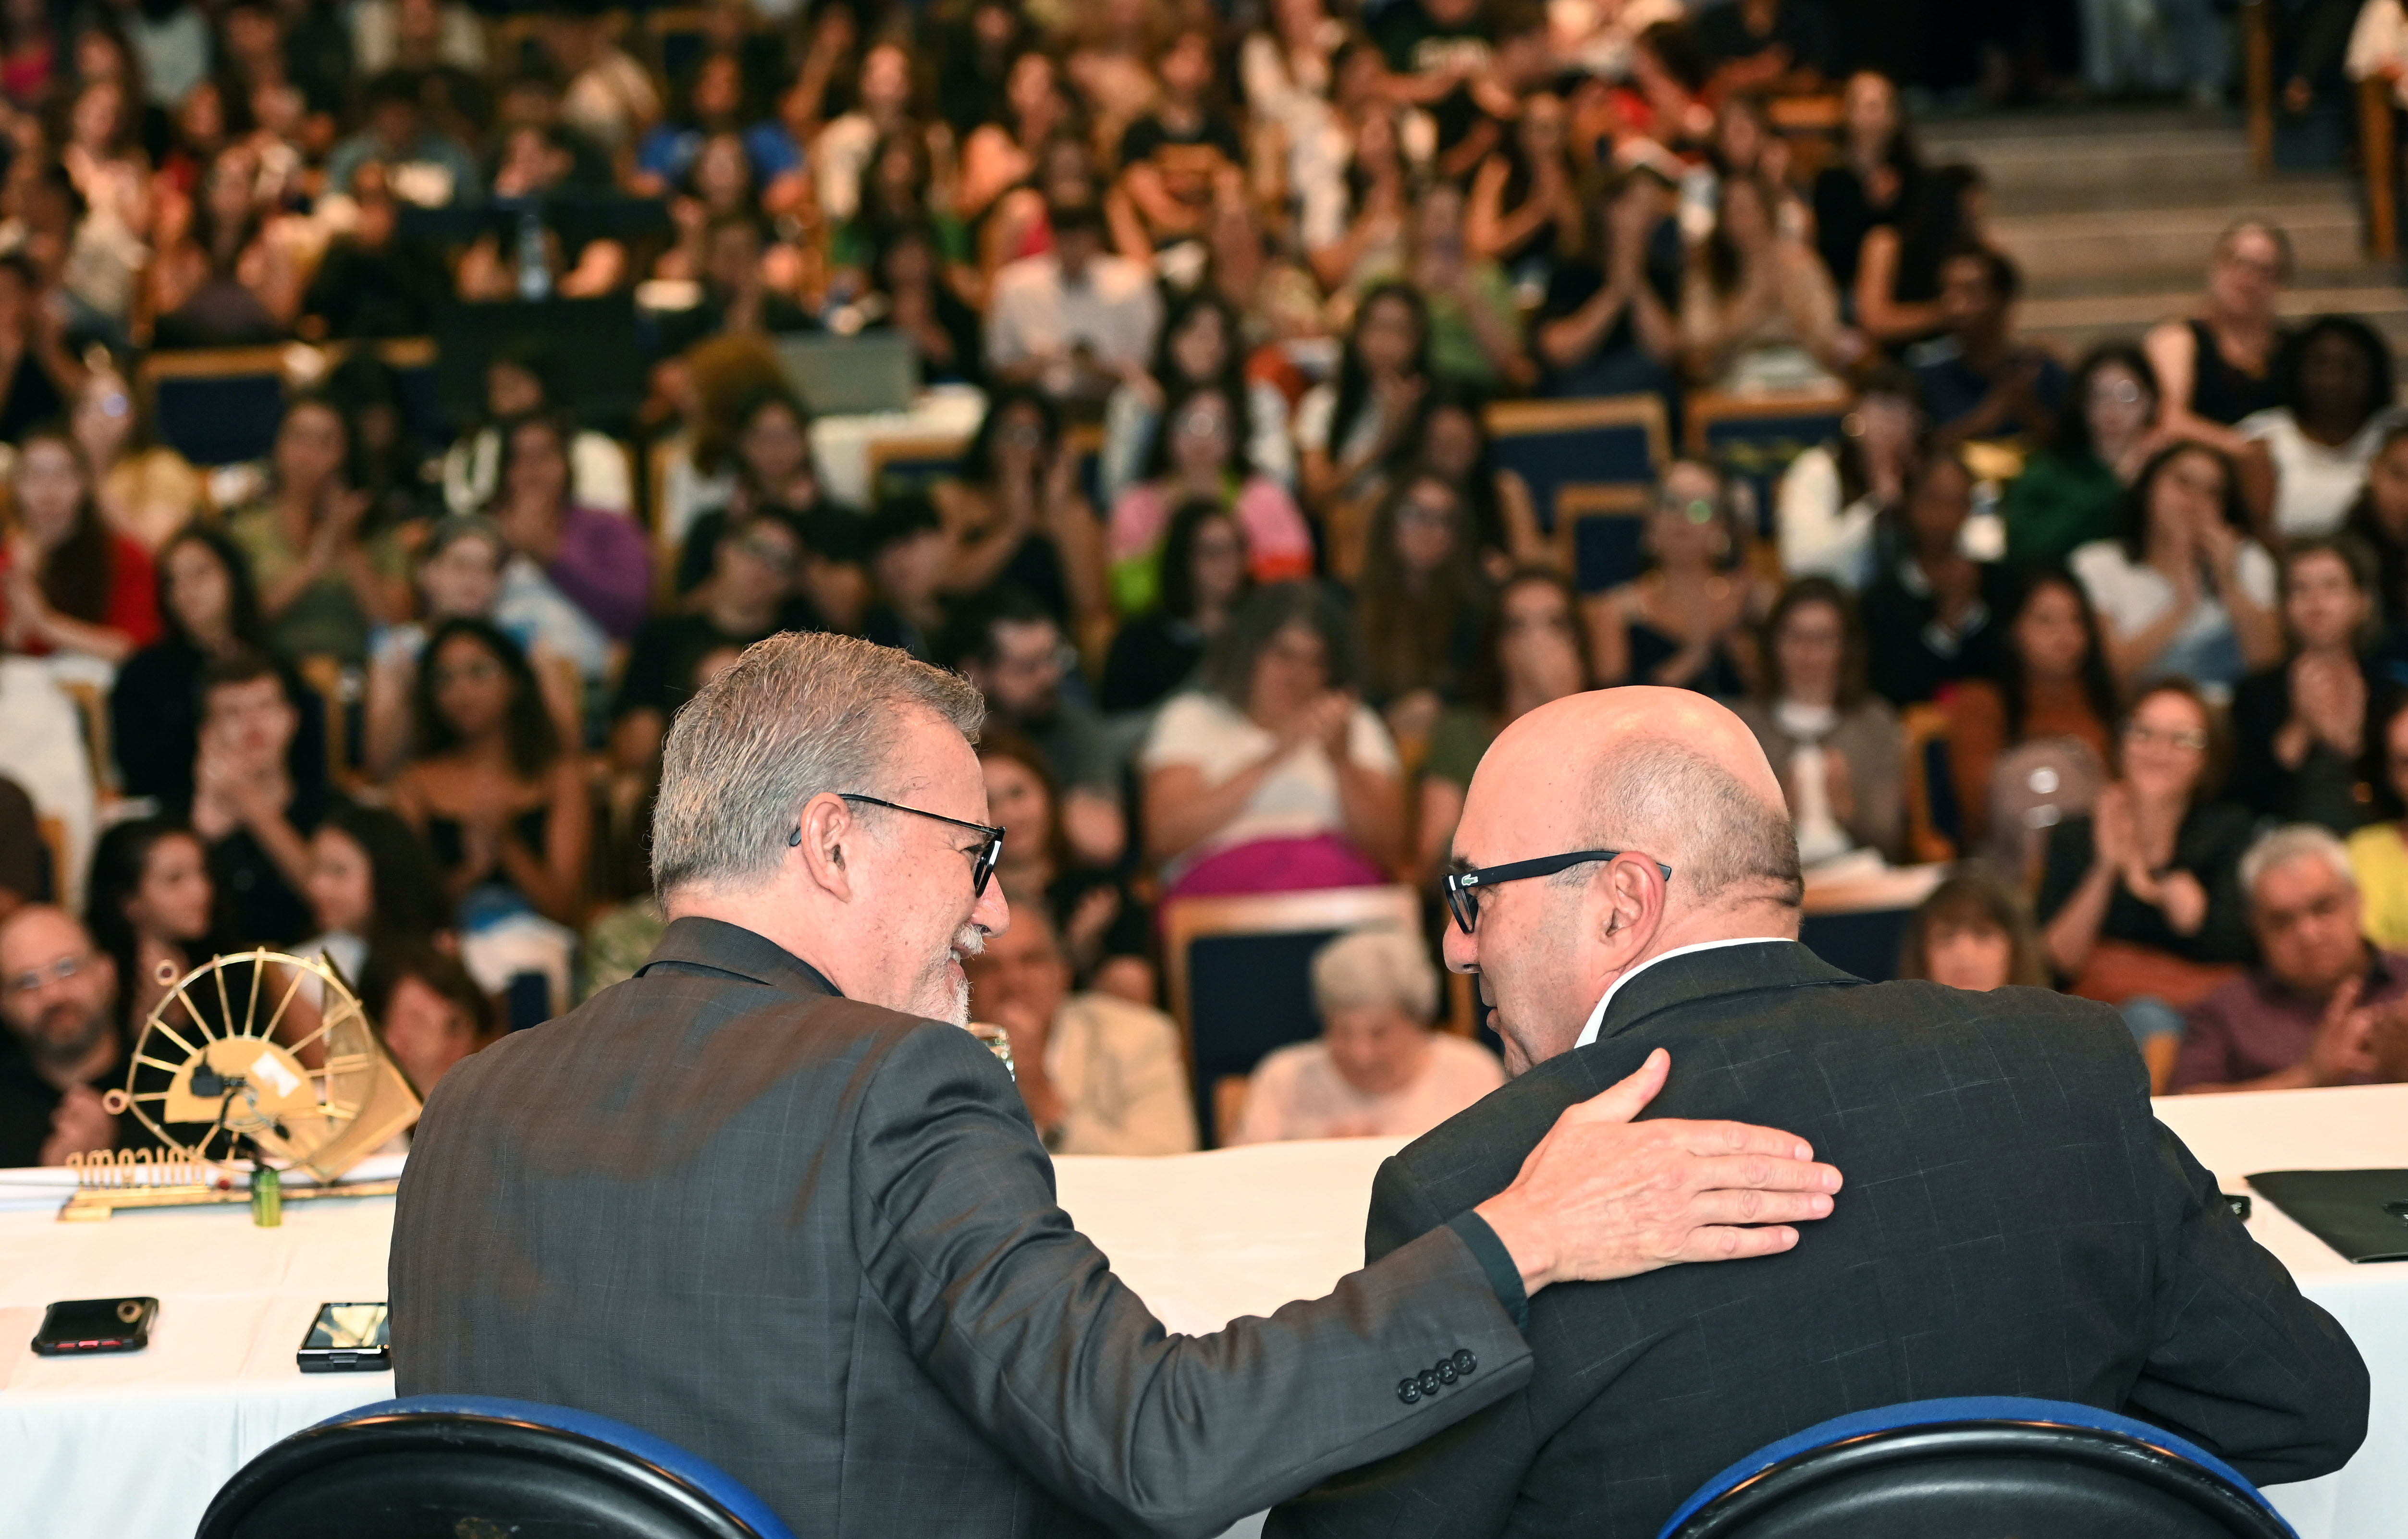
815, 1241
2014, 1222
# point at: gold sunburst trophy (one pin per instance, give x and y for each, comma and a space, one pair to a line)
257, 1058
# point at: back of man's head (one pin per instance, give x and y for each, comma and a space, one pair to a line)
798, 715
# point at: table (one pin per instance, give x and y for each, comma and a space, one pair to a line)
133, 1448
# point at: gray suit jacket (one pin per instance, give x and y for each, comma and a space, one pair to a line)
2014, 1222
815, 1241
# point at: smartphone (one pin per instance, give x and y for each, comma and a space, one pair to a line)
95, 1325
348, 1338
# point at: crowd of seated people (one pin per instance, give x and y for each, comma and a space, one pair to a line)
1238, 552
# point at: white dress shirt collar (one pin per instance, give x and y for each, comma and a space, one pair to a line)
1597, 1016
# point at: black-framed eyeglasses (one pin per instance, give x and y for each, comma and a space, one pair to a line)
1463, 888
980, 873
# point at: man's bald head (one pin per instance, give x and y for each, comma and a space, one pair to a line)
1662, 775
1667, 772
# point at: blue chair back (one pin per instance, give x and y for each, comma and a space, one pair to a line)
1616, 441
400, 1469
1751, 438
216, 409
1979, 1465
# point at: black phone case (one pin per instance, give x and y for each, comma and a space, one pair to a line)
133, 1339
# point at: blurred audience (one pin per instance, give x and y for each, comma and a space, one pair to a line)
2322, 1006
63, 1047
1972, 933
1378, 1070
1102, 1074
1834, 743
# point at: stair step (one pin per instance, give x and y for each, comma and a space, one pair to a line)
2175, 242
2235, 192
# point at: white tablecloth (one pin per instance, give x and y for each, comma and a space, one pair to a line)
132, 1447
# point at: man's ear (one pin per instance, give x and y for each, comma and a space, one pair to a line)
819, 843
1634, 906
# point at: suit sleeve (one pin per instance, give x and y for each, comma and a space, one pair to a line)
1019, 1319
1465, 1479
2240, 1361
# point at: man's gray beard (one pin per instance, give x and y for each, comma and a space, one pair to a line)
969, 942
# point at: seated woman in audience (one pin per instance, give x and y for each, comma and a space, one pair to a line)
1871, 181
2139, 898
1419, 606
207, 612
491, 791
1828, 509
944, 331
2218, 367
1451, 443
221, 279
151, 905
1199, 346
601, 560
748, 597
1757, 311
1898, 268
2070, 492
1939, 613
1972, 933
769, 446
428, 1012
1106, 930
1348, 427
1534, 650
999, 156
1203, 579
2184, 590
1274, 777
462, 569
146, 490
1526, 211
372, 884
1344, 245
2378, 853
1684, 620
1198, 455
1015, 515
2379, 519
2300, 729
1378, 1070
38, 372
1475, 327
516, 386
326, 578
1835, 746
2053, 682
68, 582
2307, 457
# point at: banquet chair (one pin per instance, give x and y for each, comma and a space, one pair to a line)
1979, 1466
467, 1464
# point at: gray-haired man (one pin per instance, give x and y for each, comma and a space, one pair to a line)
762, 1201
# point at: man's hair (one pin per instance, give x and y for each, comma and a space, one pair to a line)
796, 716
1726, 844
973, 636
1374, 967
243, 667
2291, 841
2005, 279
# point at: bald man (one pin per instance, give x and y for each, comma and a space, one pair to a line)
2014, 1222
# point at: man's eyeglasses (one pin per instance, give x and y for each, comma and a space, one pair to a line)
988, 856
35, 980
1464, 887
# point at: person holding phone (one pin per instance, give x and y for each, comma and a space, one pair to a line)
766, 1200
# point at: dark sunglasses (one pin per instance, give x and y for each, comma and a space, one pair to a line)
980, 873
1463, 888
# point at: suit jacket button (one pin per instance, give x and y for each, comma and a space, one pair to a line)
1429, 1381
1446, 1374
1464, 1361
1408, 1391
